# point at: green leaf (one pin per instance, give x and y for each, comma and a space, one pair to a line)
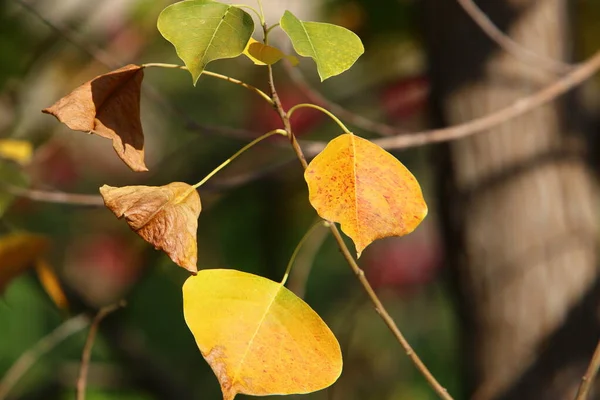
203, 31
258, 337
334, 49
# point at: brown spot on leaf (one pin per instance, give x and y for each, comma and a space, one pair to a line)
109, 106
164, 216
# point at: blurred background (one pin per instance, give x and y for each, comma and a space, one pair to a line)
497, 290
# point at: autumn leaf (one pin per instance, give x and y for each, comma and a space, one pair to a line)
109, 106
165, 216
18, 252
262, 54
258, 337
16, 150
51, 283
364, 188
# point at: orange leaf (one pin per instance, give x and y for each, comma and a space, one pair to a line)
109, 106
18, 252
51, 284
165, 216
259, 337
364, 188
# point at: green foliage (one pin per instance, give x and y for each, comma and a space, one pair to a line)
334, 49
203, 31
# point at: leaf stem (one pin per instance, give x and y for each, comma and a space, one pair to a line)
262, 13
254, 89
324, 111
259, 15
272, 27
238, 153
389, 321
299, 246
590, 374
89, 343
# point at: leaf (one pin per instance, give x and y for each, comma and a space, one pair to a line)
366, 189
164, 216
19, 151
262, 54
258, 337
51, 284
18, 252
334, 49
109, 106
203, 31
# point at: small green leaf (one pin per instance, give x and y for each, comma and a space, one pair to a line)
334, 49
203, 31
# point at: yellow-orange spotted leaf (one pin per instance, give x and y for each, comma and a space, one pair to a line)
258, 337
51, 283
262, 54
18, 252
16, 150
164, 216
109, 106
364, 188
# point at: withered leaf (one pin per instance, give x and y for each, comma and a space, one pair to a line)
19, 251
164, 216
109, 106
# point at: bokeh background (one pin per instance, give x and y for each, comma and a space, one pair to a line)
421, 57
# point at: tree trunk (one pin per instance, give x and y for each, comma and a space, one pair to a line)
518, 206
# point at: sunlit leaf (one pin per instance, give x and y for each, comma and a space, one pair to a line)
18, 252
364, 188
109, 106
51, 283
262, 54
334, 49
203, 31
16, 150
165, 216
258, 337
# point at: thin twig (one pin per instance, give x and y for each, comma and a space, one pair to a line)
54, 196
89, 343
509, 45
389, 321
590, 375
31, 356
559, 87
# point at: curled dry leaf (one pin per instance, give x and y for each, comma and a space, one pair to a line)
109, 106
18, 252
364, 188
164, 216
259, 337
51, 284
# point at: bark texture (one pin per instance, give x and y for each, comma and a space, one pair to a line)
519, 205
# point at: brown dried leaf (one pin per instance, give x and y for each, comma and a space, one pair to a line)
165, 216
109, 106
19, 251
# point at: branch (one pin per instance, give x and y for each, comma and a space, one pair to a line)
55, 196
590, 374
89, 343
31, 356
379, 307
522, 106
510, 46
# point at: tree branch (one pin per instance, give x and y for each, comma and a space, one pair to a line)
590, 374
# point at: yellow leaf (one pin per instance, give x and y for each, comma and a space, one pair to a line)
165, 216
262, 54
258, 337
364, 188
51, 284
16, 150
109, 106
18, 252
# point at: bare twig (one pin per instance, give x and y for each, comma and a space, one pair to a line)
559, 87
31, 356
590, 375
55, 196
379, 307
510, 46
352, 118
89, 343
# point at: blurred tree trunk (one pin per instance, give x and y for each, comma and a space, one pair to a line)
518, 205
